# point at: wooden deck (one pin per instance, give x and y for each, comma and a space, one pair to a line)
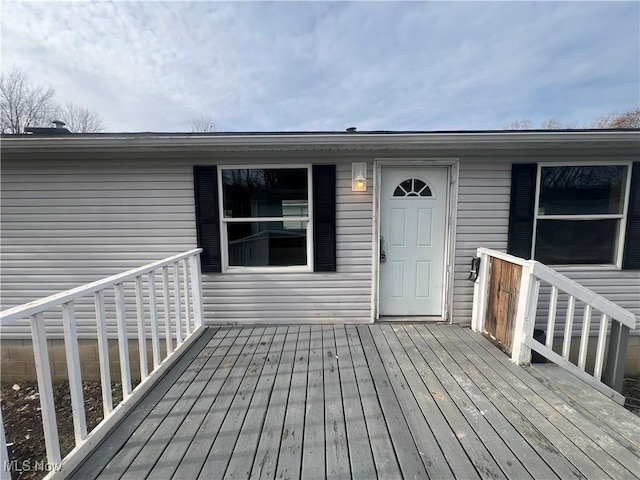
386, 401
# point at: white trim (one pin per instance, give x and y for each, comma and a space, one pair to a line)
375, 250
264, 219
622, 218
451, 213
450, 246
604, 216
224, 237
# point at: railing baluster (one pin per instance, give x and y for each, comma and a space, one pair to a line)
186, 264
187, 295
153, 317
103, 353
584, 338
568, 327
176, 302
167, 309
196, 290
602, 338
142, 336
123, 342
73, 369
45, 388
551, 322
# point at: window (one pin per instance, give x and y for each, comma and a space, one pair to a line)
265, 219
414, 187
580, 214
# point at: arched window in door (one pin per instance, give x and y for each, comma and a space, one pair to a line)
413, 187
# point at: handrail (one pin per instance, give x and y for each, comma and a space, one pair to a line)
606, 377
14, 314
583, 294
187, 318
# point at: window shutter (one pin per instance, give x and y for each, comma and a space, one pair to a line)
324, 218
523, 197
631, 256
208, 217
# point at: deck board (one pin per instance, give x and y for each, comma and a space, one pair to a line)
618, 422
608, 453
367, 401
591, 461
266, 455
290, 455
446, 380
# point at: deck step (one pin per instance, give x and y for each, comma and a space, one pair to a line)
593, 405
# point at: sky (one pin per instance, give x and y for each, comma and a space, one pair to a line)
326, 66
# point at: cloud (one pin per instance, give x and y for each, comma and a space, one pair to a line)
328, 65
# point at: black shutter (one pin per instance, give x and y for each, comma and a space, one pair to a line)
631, 255
208, 217
324, 218
523, 197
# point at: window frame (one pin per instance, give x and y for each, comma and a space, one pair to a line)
621, 217
224, 239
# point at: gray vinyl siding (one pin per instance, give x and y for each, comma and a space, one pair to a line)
72, 219
66, 222
341, 296
484, 185
483, 220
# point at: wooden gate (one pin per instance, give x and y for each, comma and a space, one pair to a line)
502, 302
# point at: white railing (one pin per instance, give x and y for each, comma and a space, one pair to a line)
185, 322
534, 273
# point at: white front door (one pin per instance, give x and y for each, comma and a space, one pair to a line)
413, 209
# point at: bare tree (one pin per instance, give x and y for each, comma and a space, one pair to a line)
551, 124
79, 119
203, 123
23, 104
627, 119
524, 124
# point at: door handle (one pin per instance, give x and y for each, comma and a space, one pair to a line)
383, 256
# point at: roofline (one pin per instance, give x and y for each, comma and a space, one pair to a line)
311, 139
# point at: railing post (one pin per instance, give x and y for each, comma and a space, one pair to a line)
616, 356
478, 312
525, 314
196, 290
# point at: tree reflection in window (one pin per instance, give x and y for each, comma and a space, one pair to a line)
413, 187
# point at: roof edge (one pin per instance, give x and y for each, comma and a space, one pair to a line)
370, 139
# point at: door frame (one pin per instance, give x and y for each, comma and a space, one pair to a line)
452, 165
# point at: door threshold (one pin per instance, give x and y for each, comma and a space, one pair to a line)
410, 318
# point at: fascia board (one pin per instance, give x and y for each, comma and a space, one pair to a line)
400, 141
